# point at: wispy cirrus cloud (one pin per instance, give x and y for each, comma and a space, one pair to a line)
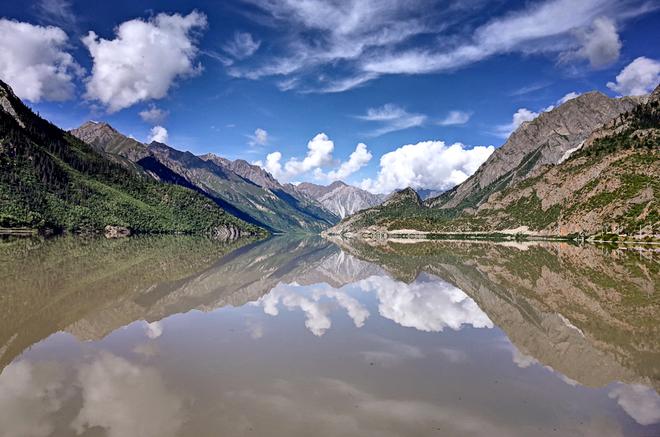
391, 118
242, 45
58, 13
455, 118
337, 46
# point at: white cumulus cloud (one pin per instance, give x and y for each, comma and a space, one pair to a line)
158, 134
567, 97
519, 117
153, 114
319, 156
144, 60
455, 118
640, 77
34, 61
358, 159
428, 164
259, 138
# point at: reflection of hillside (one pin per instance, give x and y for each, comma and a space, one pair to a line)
591, 315
92, 287
48, 285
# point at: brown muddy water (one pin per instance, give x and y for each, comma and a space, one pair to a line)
181, 336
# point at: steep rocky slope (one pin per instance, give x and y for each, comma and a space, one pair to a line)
541, 141
105, 138
287, 192
340, 198
274, 209
50, 179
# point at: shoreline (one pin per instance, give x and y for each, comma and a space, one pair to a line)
505, 235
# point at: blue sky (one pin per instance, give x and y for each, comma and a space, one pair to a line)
249, 79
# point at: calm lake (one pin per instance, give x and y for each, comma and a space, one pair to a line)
183, 336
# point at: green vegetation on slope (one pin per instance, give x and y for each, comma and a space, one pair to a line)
49, 179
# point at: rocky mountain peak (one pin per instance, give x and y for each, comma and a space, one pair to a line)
339, 197
544, 140
405, 196
217, 160
244, 169
104, 137
337, 184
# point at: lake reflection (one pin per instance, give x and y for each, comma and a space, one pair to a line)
174, 336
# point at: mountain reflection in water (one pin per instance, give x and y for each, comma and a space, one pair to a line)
300, 336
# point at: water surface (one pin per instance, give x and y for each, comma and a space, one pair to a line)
174, 336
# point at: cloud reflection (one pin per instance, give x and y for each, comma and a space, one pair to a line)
154, 330
428, 304
29, 395
315, 304
126, 399
640, 402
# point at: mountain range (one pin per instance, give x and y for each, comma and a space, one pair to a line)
588, 167
234, 185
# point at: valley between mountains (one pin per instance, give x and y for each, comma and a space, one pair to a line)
586, 169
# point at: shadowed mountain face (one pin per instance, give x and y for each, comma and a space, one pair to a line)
53, 181
245, 190
588, 313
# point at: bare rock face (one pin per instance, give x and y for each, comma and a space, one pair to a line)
244, 169
6, 95
340, 198
544, 140
111, 231
105, 138
407, 195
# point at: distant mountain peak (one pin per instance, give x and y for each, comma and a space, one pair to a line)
339, 197
336, 184
407, 195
